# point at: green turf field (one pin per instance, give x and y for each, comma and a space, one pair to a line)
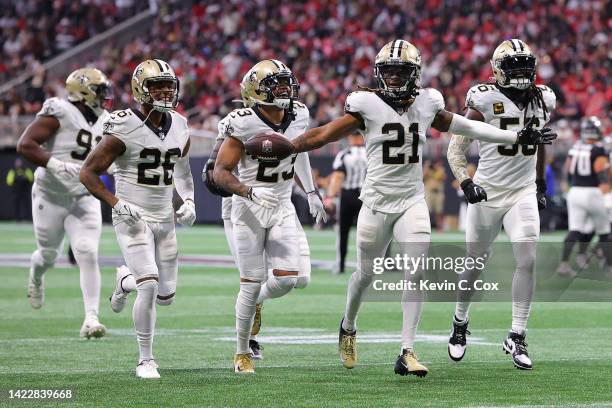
194, 344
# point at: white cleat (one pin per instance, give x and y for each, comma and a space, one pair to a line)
147, 369
119, 296
92, 328
36, 292
582, 260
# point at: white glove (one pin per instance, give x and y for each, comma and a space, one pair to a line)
317, 210
264, 196
126, 213
64, 171
186, 215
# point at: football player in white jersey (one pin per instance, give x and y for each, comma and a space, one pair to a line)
262, 214
302, 169
149, 148
505, 190
588, 165
59, 139
393, 120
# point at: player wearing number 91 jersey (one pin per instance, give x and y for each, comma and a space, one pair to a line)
394, 119
150, 150
504, 190
59, 139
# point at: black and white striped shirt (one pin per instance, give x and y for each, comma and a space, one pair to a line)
353, 163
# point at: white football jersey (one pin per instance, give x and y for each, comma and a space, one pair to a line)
226, 202
505, 169
245, 123
394, 147
144, 172
72, 142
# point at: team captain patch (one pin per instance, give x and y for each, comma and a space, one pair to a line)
498, 107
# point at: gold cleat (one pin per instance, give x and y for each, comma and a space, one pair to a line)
243, 364
257, 321
347, 347
407, 363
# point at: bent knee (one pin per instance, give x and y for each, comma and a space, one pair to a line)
165, 300
49, 256
302, 282
85, 246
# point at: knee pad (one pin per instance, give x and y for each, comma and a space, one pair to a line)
166, 293
302, 282
49, 256
286, 282
259, 275
165, 300
148, 286
85, 246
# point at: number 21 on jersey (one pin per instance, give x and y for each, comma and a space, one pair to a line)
398, 129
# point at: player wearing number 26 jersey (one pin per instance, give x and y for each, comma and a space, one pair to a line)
150, 150
506, 181
394, 119
60, 138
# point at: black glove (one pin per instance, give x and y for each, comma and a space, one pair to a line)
210, 183
473, 192
530, 136
541, 194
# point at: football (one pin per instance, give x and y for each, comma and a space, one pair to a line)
269, 146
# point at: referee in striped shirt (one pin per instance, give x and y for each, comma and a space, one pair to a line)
349, 174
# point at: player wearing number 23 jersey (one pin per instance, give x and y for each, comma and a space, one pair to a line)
149, 147
58, 141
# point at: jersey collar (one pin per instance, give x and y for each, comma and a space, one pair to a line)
161, 132
287, 119
400, 110
88, 114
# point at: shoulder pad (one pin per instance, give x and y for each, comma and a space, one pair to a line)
117, 121
435, 98
52, 107
477, 95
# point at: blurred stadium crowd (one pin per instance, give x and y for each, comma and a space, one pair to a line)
330, 45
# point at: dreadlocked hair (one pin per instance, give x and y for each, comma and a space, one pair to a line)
536, 99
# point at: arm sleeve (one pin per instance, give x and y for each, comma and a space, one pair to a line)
456, 156
303, 171
183, 180
481, 131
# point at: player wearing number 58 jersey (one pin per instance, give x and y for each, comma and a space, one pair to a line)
59, 139
504, 190
150, 150
394, 119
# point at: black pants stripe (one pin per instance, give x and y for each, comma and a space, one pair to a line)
348, 210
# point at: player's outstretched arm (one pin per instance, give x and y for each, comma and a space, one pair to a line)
330, 132
304, 174
36, 134
97, 162
446, 121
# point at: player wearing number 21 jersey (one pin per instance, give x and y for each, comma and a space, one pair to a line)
506, 181
59, 139
394, 119
150, 150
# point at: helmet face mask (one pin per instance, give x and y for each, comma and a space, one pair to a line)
148, 89
269, 83
590, 129
397, 70
514, 65
398, 80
